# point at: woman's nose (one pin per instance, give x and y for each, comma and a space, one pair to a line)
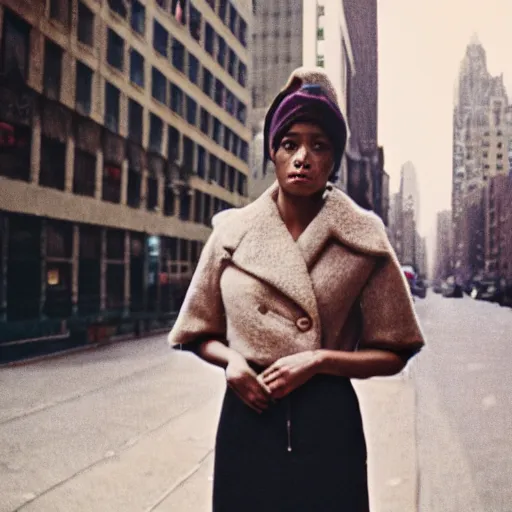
301, 154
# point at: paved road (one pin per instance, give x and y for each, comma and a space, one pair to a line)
464, 407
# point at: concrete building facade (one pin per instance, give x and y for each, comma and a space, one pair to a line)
444, 236
124, 128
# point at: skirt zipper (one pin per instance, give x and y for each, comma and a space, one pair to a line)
289, 423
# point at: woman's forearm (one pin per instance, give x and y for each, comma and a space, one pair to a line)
362, 364
217, 353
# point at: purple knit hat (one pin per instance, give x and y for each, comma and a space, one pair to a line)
308, 103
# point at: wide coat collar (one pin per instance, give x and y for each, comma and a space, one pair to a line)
260, 244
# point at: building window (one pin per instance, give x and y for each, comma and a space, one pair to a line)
222, 173
188, 154
173, 144
85, 25
217, 131
184, 206
135, 121
242, 184
245, 151
242, 74
241, 112
138, 17
201, 162
119, 7
84, 173
15, 147
320, 10
112, 183
112, 99
60, 10
115, 269
211, 3
209, 39
499, 156
115, 50
207, 210
160, 39
169, 200
193, 68
159, 86
320, 61
89, 270
52, 70
227, 138
242, 32
152, 192
53, 163
178, 55
219, 92
212, 168
233, 18
176, 100
197, 206
231, 179
134, 183
15, 46
179, 10
194, 25
221, 52
156, 128
230, 103
136, 68
223, 10
320, 33
232, 63
191, 111
205, 121
235, 147
207, 82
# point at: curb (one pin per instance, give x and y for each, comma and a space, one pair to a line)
85, 348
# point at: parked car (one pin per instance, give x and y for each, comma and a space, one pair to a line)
487, 290
437, 287
452, 290
419, 288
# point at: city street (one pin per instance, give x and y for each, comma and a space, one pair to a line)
131, 426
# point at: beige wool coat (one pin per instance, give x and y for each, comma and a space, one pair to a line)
339, 286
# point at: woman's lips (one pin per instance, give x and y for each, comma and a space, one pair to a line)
299, 177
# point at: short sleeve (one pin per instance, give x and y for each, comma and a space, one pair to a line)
389, 319
202, 314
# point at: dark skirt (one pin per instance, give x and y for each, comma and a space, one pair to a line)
325, 471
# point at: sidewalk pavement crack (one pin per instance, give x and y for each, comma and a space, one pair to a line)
181, 481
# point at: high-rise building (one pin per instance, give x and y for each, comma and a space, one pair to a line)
123, 129
444, 234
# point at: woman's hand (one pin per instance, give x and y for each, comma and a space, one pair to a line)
290, 372
243, 380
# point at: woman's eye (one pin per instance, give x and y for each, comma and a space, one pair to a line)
288, 145
320, 146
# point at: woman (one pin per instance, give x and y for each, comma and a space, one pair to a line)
294, 295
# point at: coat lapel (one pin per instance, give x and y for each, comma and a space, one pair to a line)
268, 251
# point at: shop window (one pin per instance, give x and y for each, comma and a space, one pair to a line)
178, 55
138, 20
85, 25
193, 69
156, 127
158, 86
207, 82
137, 272
115, 50
217, 131
201, 161
188, 154
83, 88
89, 270
84, 173
112, 182
233, 18
119, 7
191, 111
112, 99
176, 100
115, 286
195, 23
24, 264
59, 239
53, 163
60, 11
115, 244
160, 39
231, 62
169, 200
205, 121
15, 151
184, 249
173, 144
15, 46
136, 68
135, 121
221, 51
179, 10
209, 39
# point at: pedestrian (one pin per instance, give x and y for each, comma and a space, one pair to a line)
294, 295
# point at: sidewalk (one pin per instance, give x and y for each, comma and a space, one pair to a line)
388, 413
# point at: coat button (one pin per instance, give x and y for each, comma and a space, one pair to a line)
262, 309
303, 323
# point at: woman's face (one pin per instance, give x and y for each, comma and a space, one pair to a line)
304, 160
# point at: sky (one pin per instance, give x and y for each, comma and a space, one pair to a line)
421, 46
